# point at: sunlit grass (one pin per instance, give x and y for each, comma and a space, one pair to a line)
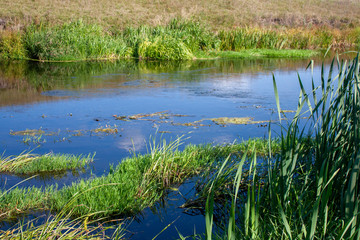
178, 40
36, 164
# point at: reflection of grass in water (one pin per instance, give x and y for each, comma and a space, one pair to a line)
34, 164
136, 183
48, 76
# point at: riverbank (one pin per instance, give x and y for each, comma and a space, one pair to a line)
178, 40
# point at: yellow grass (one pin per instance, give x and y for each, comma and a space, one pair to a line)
218, 14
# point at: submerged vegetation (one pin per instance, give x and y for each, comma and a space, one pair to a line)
178, 40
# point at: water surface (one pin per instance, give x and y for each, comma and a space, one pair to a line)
69, 101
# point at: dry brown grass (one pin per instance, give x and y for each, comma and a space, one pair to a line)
215, 13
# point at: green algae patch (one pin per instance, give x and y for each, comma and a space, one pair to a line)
107, 129
32, 132
30, 164
191, 124
144, 116
235, 120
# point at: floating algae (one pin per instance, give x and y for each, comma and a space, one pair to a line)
141, 116
32, 132
235, 120
190, 124
107, 129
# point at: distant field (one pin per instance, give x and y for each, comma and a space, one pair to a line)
217, 14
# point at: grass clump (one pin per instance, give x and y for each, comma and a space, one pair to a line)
164, 48
11, 45
72, 41
310, 190
29, 164
20, 200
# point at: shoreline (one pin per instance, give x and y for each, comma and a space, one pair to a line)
179, 40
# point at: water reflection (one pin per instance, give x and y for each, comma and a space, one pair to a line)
25, 82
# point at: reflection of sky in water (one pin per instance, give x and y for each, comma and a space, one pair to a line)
132, 139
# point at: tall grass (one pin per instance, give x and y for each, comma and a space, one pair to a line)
72, 41
11, 45
311, 189
177, 40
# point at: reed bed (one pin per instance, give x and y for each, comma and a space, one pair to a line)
311, 188
178, 40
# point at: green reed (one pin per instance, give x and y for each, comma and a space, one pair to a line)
310, 190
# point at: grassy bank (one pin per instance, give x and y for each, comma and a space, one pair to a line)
134, 184
178, 40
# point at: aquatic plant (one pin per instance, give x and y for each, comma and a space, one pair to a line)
311, 188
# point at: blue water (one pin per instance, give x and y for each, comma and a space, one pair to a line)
65, 99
